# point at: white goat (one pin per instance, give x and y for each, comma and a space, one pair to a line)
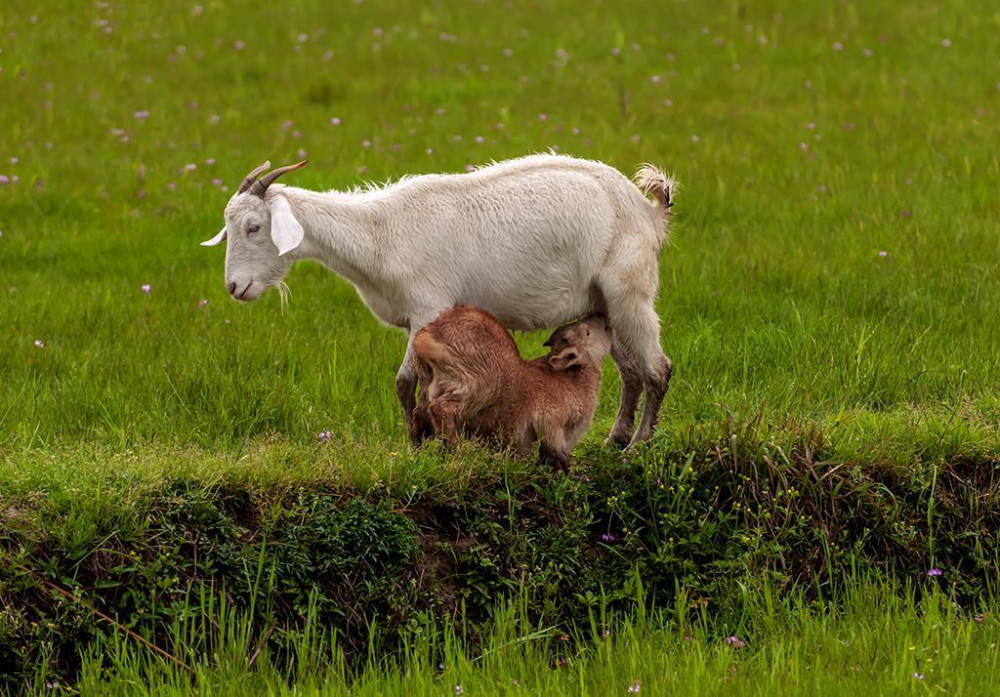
538, 241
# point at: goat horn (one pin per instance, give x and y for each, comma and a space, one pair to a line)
252, 177
260, 187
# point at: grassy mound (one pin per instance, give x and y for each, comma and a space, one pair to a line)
706, 523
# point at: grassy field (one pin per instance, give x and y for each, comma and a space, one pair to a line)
830, 294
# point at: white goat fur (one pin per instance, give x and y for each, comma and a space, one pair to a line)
538, 241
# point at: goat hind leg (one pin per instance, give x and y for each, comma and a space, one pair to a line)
631, 386
637, 325
444, 419
657, 369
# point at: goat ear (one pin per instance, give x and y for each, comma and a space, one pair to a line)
286, 232
215, 240
566, 359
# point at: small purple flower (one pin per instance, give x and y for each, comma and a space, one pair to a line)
190, 167
979, 619
366, 143
543, 116
735, 642
140, 115
39, 343
479, 139
335, 121
325, 436
458, 689
202, 303
4, 179
634, 687
934, 572
918, 676
146, 288
883, 253
607, 537
659, 483
239, 45
470, 168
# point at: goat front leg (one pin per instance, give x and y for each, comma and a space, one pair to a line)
553, 449
422, 426
406, 376
406, 386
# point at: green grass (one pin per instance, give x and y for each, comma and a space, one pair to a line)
775, 300
809, 138
875, 640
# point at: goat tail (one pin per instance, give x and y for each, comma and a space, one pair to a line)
653, 180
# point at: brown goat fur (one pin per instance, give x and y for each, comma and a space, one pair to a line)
474, 381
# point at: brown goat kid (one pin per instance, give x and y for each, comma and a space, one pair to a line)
474, 381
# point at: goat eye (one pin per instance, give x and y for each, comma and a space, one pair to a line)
252, 228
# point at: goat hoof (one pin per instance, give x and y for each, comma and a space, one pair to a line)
619, 440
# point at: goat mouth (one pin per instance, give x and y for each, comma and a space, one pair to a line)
243, 293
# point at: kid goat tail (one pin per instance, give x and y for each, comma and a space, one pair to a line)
653, 180
429, 349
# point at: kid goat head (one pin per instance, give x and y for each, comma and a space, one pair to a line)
260, 230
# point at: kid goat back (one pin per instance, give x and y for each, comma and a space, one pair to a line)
538, 241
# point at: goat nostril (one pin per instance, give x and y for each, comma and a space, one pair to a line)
231, 287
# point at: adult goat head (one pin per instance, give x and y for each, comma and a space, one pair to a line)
260, 230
